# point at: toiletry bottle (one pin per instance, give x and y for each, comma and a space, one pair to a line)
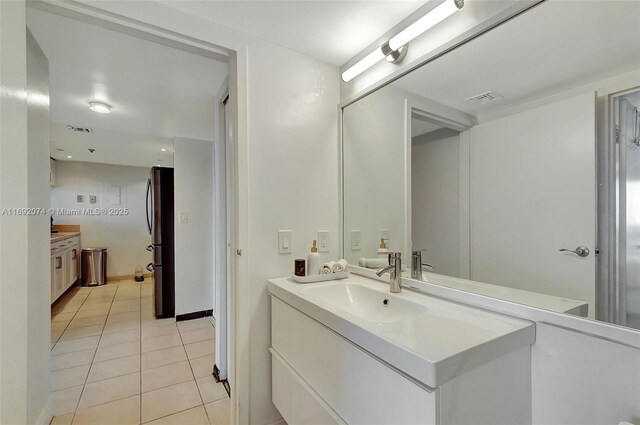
382, 250
313, 261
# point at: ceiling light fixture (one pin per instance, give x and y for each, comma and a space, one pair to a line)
69, 156
396, 48
99, 107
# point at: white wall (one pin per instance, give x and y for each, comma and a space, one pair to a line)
24, 240
435, 199
578, 379
126, 236
193, 195
375, 156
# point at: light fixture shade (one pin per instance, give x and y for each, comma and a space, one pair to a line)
441, 12
99, 107
437, 15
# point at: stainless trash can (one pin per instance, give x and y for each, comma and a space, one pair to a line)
94, 266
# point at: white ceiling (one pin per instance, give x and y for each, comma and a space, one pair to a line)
556, 46
156, 92
333, 31
420, 125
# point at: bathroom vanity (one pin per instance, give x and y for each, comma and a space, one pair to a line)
350, 352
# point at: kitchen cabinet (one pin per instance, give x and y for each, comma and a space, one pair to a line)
65, 265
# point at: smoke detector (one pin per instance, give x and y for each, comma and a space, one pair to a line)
79, 129
484, 98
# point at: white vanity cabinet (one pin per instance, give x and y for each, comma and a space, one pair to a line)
65, 265
321, 377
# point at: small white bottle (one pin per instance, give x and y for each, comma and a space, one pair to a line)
313, 260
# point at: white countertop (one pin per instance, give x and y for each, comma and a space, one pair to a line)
427, 338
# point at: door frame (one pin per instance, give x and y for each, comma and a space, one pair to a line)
222, 46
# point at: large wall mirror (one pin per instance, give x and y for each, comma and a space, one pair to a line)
510, 166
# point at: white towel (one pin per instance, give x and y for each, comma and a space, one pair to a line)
340, 266
327, 268
373, 263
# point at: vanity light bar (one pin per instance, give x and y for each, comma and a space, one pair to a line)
440, 13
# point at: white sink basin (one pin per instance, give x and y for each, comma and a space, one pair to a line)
429, 339
366, 303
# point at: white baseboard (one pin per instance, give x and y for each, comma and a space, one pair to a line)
46, 415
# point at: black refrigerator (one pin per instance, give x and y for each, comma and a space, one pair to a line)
160, 224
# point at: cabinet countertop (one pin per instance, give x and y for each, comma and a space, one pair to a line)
60, 236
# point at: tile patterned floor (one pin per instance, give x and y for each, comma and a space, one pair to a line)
113, 363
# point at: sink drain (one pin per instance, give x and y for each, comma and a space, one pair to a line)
385, 302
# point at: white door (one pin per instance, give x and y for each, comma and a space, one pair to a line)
533, 191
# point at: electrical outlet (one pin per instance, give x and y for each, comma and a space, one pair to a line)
323, 241
184, 217
284, 241
356, 240
384, 234
79, 199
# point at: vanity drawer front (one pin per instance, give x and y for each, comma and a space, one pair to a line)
296, 402
356, 385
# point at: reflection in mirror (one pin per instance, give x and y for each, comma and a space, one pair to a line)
495, 163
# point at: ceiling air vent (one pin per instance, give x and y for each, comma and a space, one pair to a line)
79, 129
483, 98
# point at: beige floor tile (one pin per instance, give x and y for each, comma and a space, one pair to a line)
203, 366
160, 342
195, 335
210, 390
153, 331
200, 349
125, 307
169, 400
87, 321
70, 377
158, 322
219, 412
76, 344
59, 326
120, 337
65, 401
73, 359
162, 357
62, 317
164, 376
125, 325
55, 335
189, 325
62, 419
111, 389
194, 416
115, 351
91, 313
115, 367
81, 332
120, 317
95, 305
120, 412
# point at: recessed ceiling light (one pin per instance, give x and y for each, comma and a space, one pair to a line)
69, 156
101, 108
163, 150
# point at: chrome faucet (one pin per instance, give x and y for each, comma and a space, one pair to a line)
395, 272
417, 264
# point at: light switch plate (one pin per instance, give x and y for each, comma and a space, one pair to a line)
79, 199
323, 241
184, 217
93, 199
284, 241
356, 240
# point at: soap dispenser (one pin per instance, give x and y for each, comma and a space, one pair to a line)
313, 260
383, 251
